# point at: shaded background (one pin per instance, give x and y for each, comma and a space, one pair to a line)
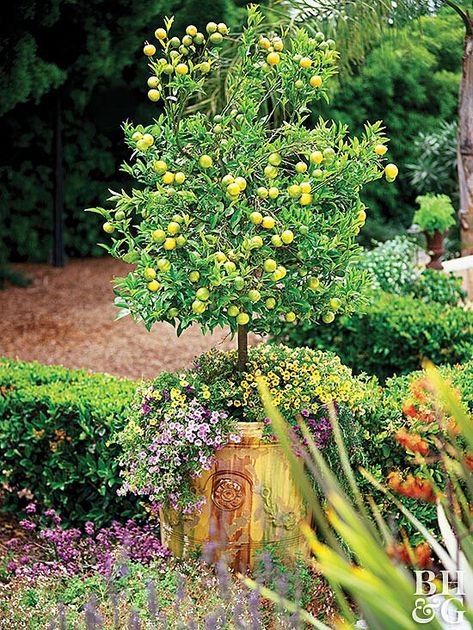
86, 56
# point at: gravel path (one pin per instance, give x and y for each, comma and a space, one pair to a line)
66, 316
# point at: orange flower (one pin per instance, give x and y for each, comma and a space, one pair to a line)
412, 487
421, 553
412, 442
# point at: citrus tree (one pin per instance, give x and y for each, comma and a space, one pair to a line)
241, 219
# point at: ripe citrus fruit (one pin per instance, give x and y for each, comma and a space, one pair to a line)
230, 266
243, 319
270, 303
328, 317
305, 62
290, 316
168, 177
273, 192
254, 295
216, 38
268, 223
211, 27
380, 149
198, 307
262, 192
164, 264
227, 179
153, 82
182, 68
159, 236
205, 161
160, 167
233, 189
191, 30
287, 237
315, 81
273, 58
316, 157
301, 167
313, 283
276, 240
294, 191
154, 285
270, 265
270, 171
233, 310
256, 218
179, 177
275, 159
305, 187
391, 171
194, 276
241, 181
149, 50
154, 95
305, 199
257, 241
220, 257
335, 303
202, 294
149, 273
169, 244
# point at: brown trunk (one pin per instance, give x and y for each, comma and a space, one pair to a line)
465, 143
242, 348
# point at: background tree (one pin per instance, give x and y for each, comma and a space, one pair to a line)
56, 47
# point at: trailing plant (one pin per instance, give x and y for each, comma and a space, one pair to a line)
250, 218
180, 420
435, 213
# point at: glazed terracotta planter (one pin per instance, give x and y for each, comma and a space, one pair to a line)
435, 249
251, 501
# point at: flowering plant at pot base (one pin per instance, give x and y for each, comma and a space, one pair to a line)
57, 551
181, 419
248, 219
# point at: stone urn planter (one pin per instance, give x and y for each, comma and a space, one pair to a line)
435, 249
251, 501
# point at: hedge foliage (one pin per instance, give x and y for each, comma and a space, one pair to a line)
55, 426
393, 336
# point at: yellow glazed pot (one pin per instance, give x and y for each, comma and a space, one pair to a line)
251, 501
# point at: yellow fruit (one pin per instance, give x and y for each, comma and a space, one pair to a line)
160, 167
278, 44
205, 161
202, 294
198, 307
194, 276
287, 237
270, 303
294, 191
228, 179
159, 236
154, 95
257, 241
169, 244
168, 177
230, 266
204, 67
137, 136
279, 273
233, 189
216, 38
173, 227
182, 68
233, 310
191, 30
305, 187
316, 157
318, 173
154, 285
256, 218
268, 223
362, 216
315, 81
262, 192
275, 159
108, 227
241, 181
148, 139
164, 264
270, 265
301, 167
160, 33
179, 177
149, 274
270, 171
273, 192
273, 58
305, 199
380, 149
305, 62
329, 154
264, 43
153, 82
211, 27
220, 257
391, 171
313, 283
328, 317
254, 295
290, 316
149, 50
181, 241
142, 145
276, 240
335, 303
243, 319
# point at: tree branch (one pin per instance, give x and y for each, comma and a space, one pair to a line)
463, 14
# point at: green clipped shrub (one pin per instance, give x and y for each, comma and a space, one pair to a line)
432, 286
394, 336
55, 426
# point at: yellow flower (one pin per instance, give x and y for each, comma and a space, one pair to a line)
206, 394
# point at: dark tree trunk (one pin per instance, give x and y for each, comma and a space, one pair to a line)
465, 143
58, 234
242, 348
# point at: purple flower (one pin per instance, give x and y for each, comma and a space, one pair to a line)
31, 508
145, 408
29, 526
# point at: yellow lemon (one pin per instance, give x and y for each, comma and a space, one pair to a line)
305, 199
316, 157
380, 149
268, 223
391, 171
241, 181
170, 243
273, 192
205, 161
160, 167
159, 236
179, 177
154, 285
305, 187
262, 192
273, 58
182, 68
153, 82
290, 316
287, 237
168, 177
108, 227
149, 50
154, 95
173, 227
243, 319
160, 33
149, 273
256, 218
305, 62
315, 81
233, 189
301, 167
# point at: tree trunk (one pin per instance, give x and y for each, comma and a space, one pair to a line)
242, 348
465, 144
58, 233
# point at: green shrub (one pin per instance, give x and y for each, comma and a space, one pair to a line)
432, 286
394, 336
55, 426
435, 213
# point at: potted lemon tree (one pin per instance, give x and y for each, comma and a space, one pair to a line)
246, 219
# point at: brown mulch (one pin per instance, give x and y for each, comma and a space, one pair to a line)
66, 316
